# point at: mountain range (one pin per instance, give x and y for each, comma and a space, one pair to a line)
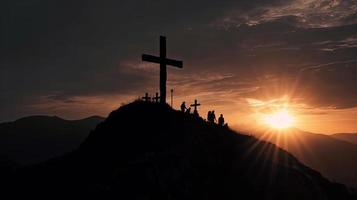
36, 139
347, 137
150, 151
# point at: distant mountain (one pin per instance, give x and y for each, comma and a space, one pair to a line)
149, 151
348, 137
37, 138
334, 158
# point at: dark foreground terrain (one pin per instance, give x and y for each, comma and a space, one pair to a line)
149, 151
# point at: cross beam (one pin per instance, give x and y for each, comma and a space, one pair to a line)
154, 59
163, 61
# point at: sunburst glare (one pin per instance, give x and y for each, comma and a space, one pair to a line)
280, 119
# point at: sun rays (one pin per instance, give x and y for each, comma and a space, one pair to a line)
280, 119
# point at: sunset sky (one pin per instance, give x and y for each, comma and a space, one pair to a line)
241, 58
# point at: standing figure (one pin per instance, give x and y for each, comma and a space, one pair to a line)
221, 120
183, 107
209, 115
213, 117
188, 111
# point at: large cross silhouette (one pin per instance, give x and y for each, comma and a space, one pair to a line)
163, 61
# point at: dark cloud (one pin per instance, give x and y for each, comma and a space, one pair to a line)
332, 84
59, 50
306, 13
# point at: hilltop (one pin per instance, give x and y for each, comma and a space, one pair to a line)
149, 151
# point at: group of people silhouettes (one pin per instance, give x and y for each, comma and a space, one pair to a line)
211, 116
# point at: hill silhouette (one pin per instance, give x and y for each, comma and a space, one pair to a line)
35, 139
149, 151
347, 137
334, 158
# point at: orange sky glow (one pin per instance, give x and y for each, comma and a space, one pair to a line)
241, 113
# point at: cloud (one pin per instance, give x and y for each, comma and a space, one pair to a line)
62, 52
332, 85
301, 13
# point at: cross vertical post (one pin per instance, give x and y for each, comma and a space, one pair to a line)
163, 70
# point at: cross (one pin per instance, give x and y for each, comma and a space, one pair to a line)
163, 61
156, 98
146, 97
195, 105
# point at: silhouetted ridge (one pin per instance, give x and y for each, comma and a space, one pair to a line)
35, 139
333, 158
149, 151
347, 137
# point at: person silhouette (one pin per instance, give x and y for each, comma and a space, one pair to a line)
183, 107
188, 110
221, 120
213, 117
209, 116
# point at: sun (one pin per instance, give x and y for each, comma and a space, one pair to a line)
280, 119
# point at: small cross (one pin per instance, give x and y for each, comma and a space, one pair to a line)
156, 98
146, 97
195, 105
